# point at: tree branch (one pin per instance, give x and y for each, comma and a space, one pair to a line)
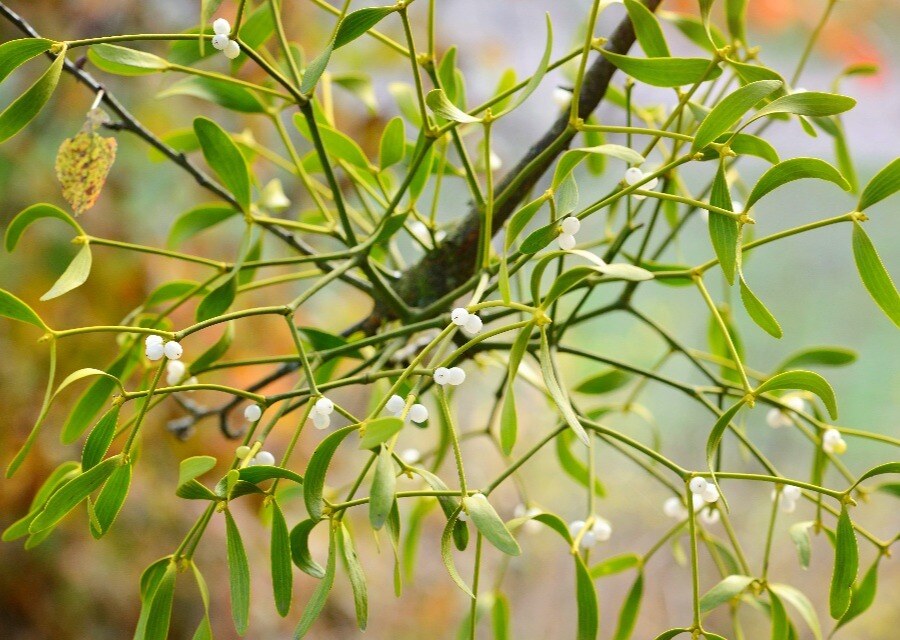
454, 261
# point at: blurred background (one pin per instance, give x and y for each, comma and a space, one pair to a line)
72, 587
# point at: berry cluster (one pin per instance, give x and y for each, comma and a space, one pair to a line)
470, 322
222, 42
706, 490
156, 349
261, 457
832, 442
788, 498
453, 376
777, 418
418, 413
633, 175
568, 228
600, 531
321, 413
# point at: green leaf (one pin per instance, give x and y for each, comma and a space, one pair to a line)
665, 72
447, 553
262, 472
794, 169
300, 554
630, 608
359, 85
540, 238
556, 393
821, 356
238, 575
62, 474
315, 69
604, 382
384, 484
29, 104
224, 157
314, 479
109, 502
758, 312
695, 31
217, 301
15, 53
356, 575
215, 352
806, 380
508, 418
718, 430
885, 183
799, 533
749, 145
393, 143
71, 494
846, 565
97, 444
874, 275
538, 74
647, 29
724, 232
890, 488
160, 609
490, 525
379, 430
316, 602
863, 594
887, 467
671, 633
728, 589
338, 145
225, 94
204, 631
735, 18
802, 604
731, 109
807, 103
441, 106
520, 219
572, 158
94, 398
194, 467
358, 22
123, 61
280, 557
14, 309
74, 276
35, 212
574, 466
500, 617
615, 564
781, 624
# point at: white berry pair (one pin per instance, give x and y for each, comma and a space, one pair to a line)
788, 498
600, 531
633, 175
321, 413
261, 457
470, 322
418, 413
222, 42
706, 490
453, 376
155, 349
568, 228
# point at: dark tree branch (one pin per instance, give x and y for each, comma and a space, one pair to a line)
453, 262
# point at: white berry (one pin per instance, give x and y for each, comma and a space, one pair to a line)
776, 419
323, 406
192, 381
737, 206
221, 26
252, 413
220, 41
456, 376
796, 403
410, 456
566, 241
710, 516
473, 325
153, 339
442, 376
601, 529
710, 493
175, 370
463, 516
674, 508
633, 175
698, 485
264, 457
242, 451
395, 404
571, 225
791, 492
173, 350
232, 50
321, 420
418, 413
459, 316
561, 96
155, 351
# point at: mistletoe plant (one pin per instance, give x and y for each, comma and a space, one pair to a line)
502, 284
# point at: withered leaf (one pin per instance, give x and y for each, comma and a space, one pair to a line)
82, 164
